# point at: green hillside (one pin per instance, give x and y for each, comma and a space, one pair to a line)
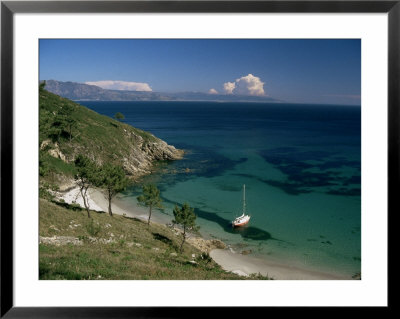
115, 248
67, 129
91, 125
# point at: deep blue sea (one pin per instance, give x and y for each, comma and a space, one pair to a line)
301, 165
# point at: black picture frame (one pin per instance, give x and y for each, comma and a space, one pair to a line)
9, 8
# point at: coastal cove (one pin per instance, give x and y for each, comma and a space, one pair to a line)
227, 258
301, 165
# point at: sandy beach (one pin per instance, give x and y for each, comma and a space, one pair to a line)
243, 265
98, 202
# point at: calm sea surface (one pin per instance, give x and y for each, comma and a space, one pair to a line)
301, 165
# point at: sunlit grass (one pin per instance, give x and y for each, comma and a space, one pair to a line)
136, 251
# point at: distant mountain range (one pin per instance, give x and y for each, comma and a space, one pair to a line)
80, 91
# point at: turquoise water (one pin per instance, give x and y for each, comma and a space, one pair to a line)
301, 165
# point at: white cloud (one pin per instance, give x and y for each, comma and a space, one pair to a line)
229, 87
121, 85
246, 85
212, 91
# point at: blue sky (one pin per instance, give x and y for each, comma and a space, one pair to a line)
298, 71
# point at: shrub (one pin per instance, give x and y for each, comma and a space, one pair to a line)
122, 242
206, 257
75, 206
92, 228
119, 116
44, 193
258, 276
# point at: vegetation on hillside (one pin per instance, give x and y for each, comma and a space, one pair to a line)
116, 248
67, 129
119, 116
186, 218
107, 176
113, 180
85, 177
150, 198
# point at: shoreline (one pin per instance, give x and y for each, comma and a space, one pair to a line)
243, 265
98, 202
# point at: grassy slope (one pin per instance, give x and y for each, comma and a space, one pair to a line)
97, 136
155, 256
93, 127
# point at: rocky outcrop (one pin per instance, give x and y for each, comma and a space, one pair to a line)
53, 150
161, 151
137, 160
99, 137
206, 245
69, 240
60, 240
143, 153
56, 152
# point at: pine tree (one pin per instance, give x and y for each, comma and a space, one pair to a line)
119, 116
185, 217
87, 175
113, 179
68, 121
150, 198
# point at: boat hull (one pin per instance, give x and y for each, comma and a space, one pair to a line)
240, 224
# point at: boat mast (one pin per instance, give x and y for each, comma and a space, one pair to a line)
244, 199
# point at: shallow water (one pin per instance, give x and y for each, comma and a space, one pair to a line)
301, 165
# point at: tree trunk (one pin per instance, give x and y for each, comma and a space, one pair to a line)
184, 237
83, 194
109, 203
148, 222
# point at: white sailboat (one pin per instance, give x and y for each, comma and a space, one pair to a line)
244, 218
